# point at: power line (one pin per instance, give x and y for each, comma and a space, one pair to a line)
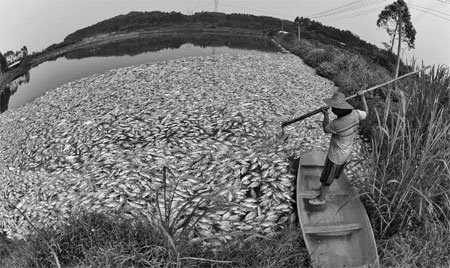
334, 9
436, 15
444, 1
373, 2
190, 9
216, 3
196, 5
347, 9
203, 6
251, 9
430, 9
348, 16
351, 8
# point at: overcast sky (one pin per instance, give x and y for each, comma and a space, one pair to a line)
40, 23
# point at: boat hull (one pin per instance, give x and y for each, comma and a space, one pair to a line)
338, 234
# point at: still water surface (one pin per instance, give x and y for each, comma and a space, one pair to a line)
52, 74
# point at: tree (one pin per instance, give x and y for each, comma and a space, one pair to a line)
3, 63
24, 50
396, 18
389, 19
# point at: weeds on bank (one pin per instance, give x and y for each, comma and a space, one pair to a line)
95, 240
177, 222
408, 174
348, 70
416, 249
110, 240
41, 235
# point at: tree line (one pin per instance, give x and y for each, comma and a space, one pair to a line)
10, 57
264, 25
147, 20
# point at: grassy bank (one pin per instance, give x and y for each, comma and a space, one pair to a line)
408, 175
349, 70
100, 241
405, 190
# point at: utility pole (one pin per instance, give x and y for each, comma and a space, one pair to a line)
399, 38
297, 20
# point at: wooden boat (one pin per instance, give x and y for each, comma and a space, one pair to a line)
339, 233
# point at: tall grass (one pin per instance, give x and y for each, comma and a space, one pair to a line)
161, 239
98, 240
408, 174
176, 219
414, 249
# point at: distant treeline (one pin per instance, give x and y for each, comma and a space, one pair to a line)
135, 21
268, 26
156, 43
313, 30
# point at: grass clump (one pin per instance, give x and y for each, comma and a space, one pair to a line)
408, 174
416, 249
405, 190
166, 238
92, 240
98, 240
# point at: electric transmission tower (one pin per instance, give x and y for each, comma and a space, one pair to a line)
216, 3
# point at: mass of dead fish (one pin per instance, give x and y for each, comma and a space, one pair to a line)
194, 138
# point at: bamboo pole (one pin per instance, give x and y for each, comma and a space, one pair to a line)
286, 123
399, 39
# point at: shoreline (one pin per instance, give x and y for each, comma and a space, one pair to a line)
32, 61
121, 36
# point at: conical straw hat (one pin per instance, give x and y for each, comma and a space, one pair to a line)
338, 101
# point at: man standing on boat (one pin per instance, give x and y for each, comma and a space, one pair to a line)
343, 130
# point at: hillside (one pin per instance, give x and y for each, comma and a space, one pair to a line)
136, 21
267, 26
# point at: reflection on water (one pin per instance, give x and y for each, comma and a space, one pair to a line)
4, 99
89, 61
10, 89
156, 43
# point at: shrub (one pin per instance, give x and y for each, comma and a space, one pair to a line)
302, 48
346, 82
340, 60
327, 69
315, 56
3, 63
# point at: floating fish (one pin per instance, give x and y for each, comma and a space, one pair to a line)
102, 144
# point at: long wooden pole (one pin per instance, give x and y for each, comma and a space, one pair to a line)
399, 39
286, 123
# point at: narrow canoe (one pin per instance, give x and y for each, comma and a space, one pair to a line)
338, 234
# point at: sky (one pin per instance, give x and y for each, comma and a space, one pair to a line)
38, 24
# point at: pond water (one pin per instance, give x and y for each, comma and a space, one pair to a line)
86, 62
